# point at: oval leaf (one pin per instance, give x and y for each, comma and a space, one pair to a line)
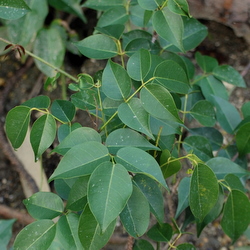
243, 139
63, 110
39, 102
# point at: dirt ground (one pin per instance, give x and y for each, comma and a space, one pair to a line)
221, 43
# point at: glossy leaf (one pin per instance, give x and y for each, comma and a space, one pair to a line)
39, 102
141, 244
5, 232
44, 205
243, 139
42, 134
13, 9
203, 112
123, 137
97, 46
16, 129
153, 194
63, 110
109, 189
204, 191
183, 195
236, 216
90, 233
116, 84
159, 103
139, 64
230, 75
136, 160
160, 232
172, 76
37, 235
222, 166
179, 7
227, 114
169, 26
134, 115
207, 63
86, 99
50, 46
136, 214
198, 145
81, 160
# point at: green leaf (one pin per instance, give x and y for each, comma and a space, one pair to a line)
136, 214
183, 195
97, 46
42, 134
245, 109
139, 64
102, 4
115, 15
25, 35
17, 123
63, 110
243, 139
236, 216
134, 115
149, 5
123, 137
90, 233
199, 145
227, 114
153, 194
39, 102
204, 191
157, 101
86, 99
160, 232
81, 160
172, 76
207, 63
169, 26
37, 235
5, 232
77, 136
222, 166
110, 106
230, 75
108, 192
203, 112
116, 84
50, 46
44, 205
136, 160
63, 187
13, 9
234, 182
185, 246
114, 30
65, 129
141, 244
179, 7
78, 194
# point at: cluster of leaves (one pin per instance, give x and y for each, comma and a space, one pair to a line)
144, 98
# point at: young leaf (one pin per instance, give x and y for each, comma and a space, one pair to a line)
179, 7
136, 213
134, 115
50, 46
63, 110
109, 189
5, 232
153, 194
139, 64
39, 102
169, 26
203, 112
123, 137
204, 191
37, 235
97, 46
160, 232
44, 205
136, 160
159, 103
90, 233
172, 76
116, 84
17, 122
207, 63
77, 136
42, 134
230, 75
243, 139
81, 160
199, 145
236, 216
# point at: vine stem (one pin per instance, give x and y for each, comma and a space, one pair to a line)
45, 62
